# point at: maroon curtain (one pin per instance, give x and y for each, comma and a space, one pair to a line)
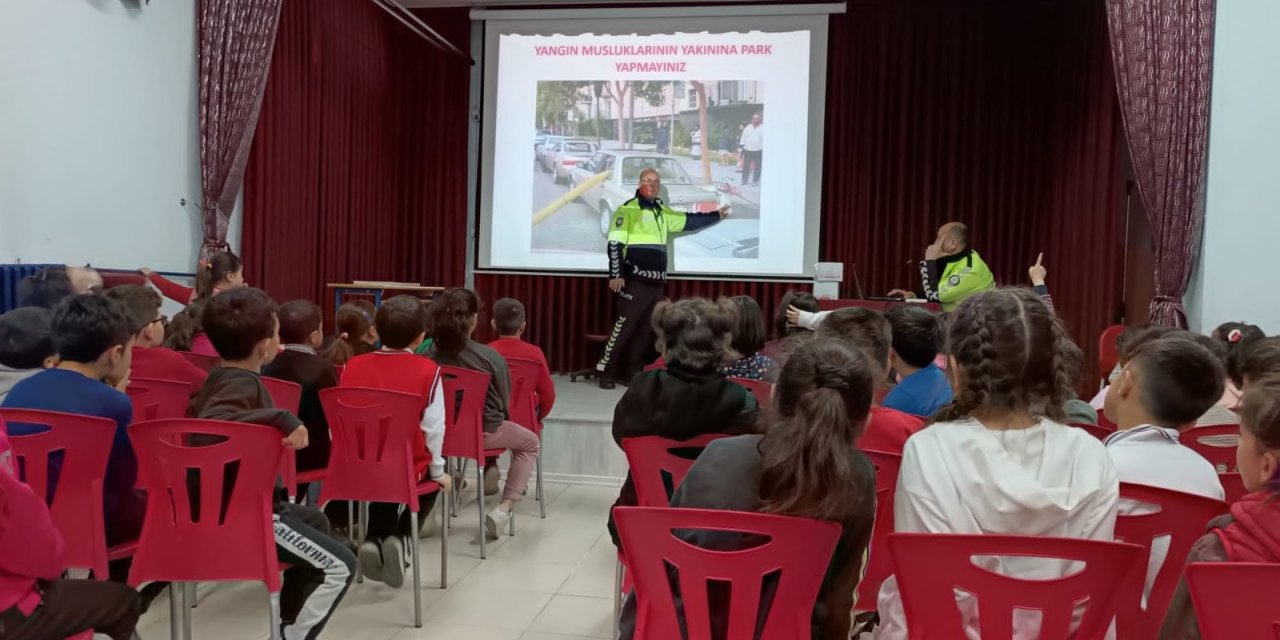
1162, 51
359, 167
236, 39
999, 113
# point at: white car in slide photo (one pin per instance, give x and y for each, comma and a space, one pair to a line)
678, 188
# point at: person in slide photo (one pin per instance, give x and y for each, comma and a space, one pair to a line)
992, 463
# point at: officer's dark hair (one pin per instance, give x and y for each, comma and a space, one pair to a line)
400, 321
1180, 378
802, 300
26, 338
86, 326
450, 319
915, 334
508, 316
1260, 360
45, 288
748, 334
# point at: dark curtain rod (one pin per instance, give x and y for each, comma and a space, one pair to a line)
422, 29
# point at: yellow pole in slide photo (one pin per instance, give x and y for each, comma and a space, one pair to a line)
572, 195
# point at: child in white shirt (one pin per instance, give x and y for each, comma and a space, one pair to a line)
992, 463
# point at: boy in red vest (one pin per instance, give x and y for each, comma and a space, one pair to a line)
401, 323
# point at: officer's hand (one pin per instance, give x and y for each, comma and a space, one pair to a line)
933, 251
1037, 271
724, 212
615, 285
901, 293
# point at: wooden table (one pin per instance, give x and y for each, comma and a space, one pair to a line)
377, 290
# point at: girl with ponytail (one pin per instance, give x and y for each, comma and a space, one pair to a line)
998, 459
805, 465
221, 272
356, 334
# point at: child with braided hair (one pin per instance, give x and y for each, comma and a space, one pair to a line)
998, 459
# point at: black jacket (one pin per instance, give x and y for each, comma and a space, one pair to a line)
314, 374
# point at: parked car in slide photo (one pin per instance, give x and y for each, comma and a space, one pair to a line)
560, 158
678, 188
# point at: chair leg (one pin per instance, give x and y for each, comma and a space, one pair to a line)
617, 592
444, 544
189, 598
176, 596
417, 575
542, 499
484, 534
191, 595
274, 608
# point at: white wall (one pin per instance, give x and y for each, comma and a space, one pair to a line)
99, 133
1237, 275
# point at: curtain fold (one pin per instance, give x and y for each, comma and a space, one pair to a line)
236, 38
1162, 51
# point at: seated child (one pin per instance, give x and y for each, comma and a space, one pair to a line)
356, 334
1232, 340
45, 288
401, 322
94, 338
784, 328
242, 325
1259, 360
26, 346
689, 397
1164, 387
221, 272
867, 331
453, 317
922, 387
1128, 342
992, 464
748, 344
34, 601
509, 323
186, 332
1248, 532
150, 358
806, 466
301, 333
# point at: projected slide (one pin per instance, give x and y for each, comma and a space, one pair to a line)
722, 117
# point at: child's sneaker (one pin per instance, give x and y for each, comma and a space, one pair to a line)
393, 562
496, 521
370, 561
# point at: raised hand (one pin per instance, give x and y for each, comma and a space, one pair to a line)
1037, 271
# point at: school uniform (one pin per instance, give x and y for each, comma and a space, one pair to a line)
300, 364
922, 393
160, 363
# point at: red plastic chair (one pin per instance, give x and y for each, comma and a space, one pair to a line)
763, 391
797, 551
1182, 518
206, 363
929, 567
656, 365
464, 393
1209, 443
523, 407
879, 562
1101, 433
76, 508
1108, 352
1235, 600
288, 396
1233, 486
155, 399
239, 547
372, 461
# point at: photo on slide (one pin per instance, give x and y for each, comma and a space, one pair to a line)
592, 139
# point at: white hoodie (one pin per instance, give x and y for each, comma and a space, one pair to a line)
960, 477
10, 377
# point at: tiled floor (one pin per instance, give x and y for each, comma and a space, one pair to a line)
551, 581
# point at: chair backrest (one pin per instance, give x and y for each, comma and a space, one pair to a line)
71, 451
796, 551
1108, 351
1216, 443
763, 391
879, 562
371, 459
1235, 600
158, 399
178, 471
1233, 486
655, 365
523, 403
1101, 433
464, 394
930, 567
657, 468
1182, 517
206, 363
284, 394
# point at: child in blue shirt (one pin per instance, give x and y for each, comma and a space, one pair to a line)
922, 388
94, 338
